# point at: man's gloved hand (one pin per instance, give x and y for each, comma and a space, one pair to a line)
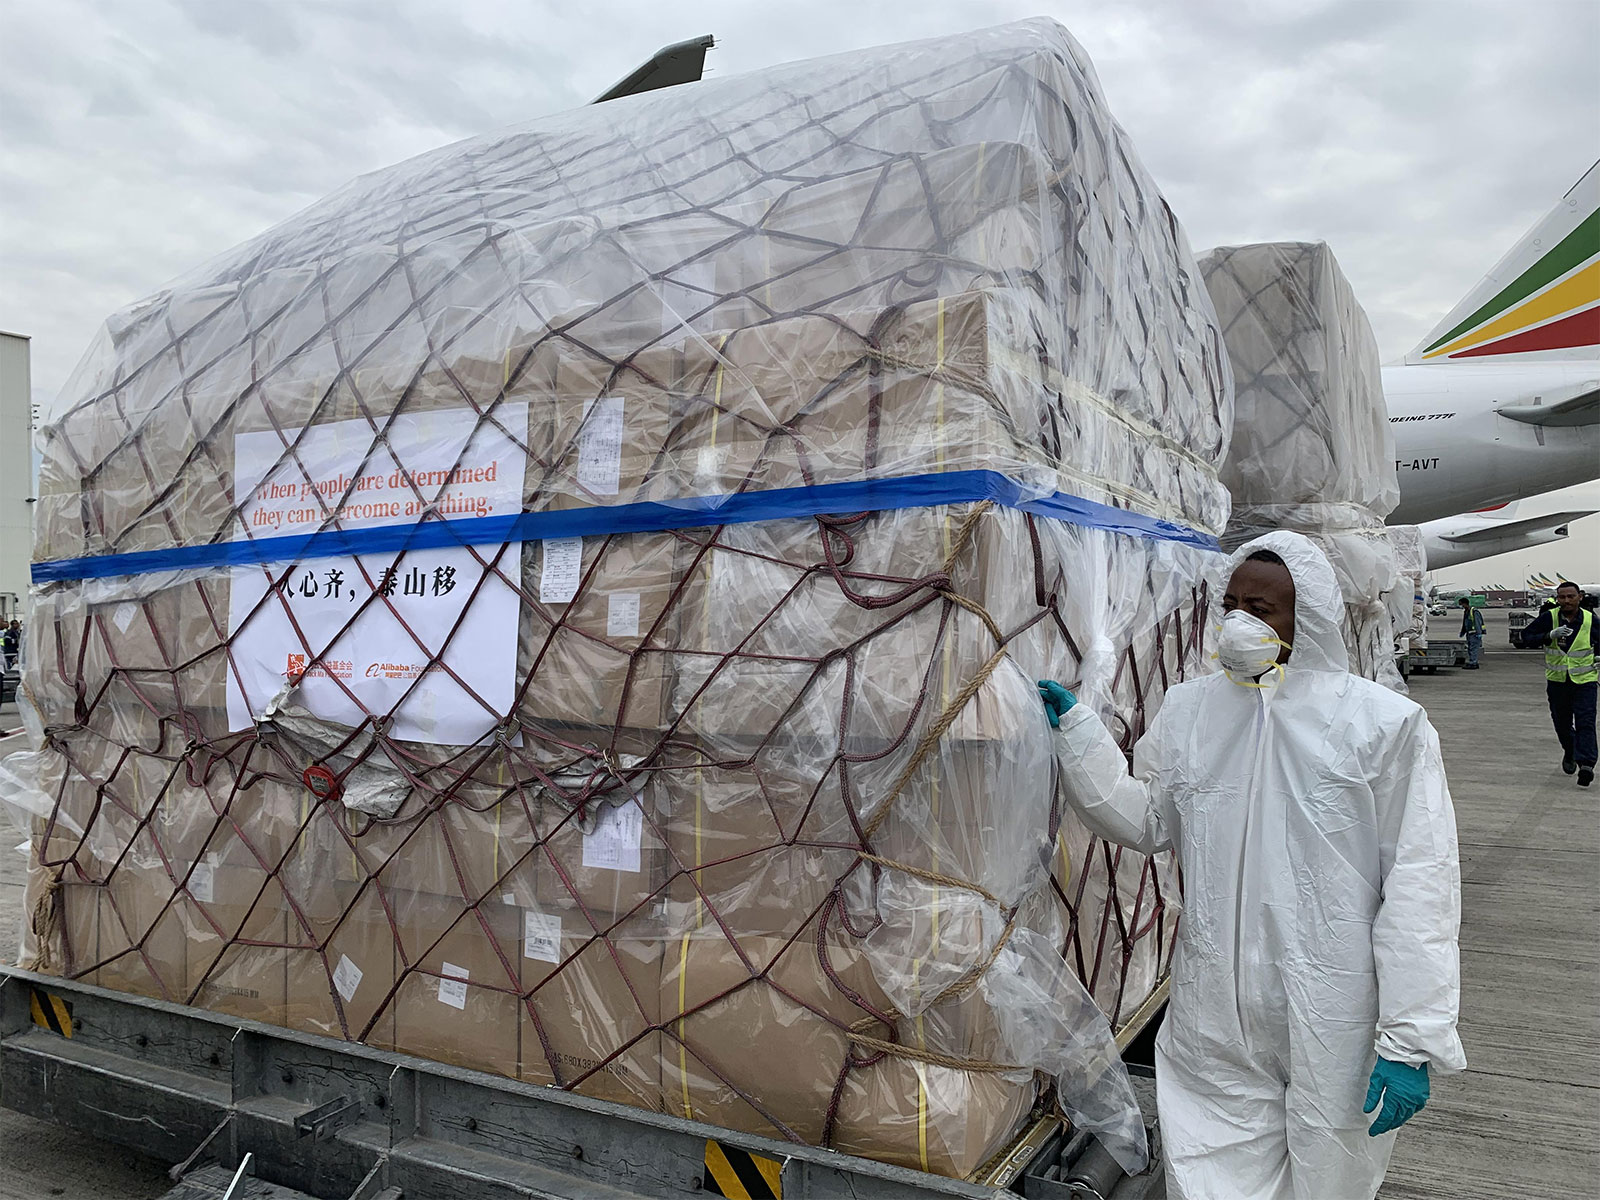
1057, 700
1563, 635
1403, 1089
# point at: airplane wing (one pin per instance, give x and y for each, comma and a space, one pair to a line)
1582, 409
1503, 529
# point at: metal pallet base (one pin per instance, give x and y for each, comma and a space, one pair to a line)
341, 1121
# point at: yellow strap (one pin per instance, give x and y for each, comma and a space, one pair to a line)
922, 1114
683, 1054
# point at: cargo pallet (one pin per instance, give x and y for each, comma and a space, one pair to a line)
1437, 653
250, 1111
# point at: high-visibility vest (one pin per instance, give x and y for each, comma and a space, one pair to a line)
1576, 662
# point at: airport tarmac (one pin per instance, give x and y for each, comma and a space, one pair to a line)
1524, 1120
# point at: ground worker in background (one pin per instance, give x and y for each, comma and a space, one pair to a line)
1566, 631
1316, 977
11, 643
1472, 630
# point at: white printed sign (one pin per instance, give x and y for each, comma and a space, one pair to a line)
347, 978
541, 936
453, 988
122, 616
562, 570
600, 447
622, 614
287, 620
614, 844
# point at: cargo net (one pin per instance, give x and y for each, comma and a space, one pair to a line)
776, 911
751, 823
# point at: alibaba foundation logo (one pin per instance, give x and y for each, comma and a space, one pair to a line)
389, 670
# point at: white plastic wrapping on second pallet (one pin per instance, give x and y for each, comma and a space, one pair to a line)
1311, 448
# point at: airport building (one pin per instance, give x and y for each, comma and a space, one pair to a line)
16, 474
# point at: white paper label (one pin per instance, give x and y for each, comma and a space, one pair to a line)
684, 297
622, 615
123, 616
509, 899
541, 936
203, 882
600, 447
347, 978
614, 844
297, 622
708, 462
453, 991
563, 569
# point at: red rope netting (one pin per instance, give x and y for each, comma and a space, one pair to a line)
747, 815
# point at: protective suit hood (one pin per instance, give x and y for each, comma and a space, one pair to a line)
1318, 603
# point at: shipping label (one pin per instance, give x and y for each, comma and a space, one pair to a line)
614, 843
453, 987
600, 447
541, 936
347, 978
562, 570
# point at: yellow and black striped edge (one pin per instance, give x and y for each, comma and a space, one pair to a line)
740, 1175
51, 1011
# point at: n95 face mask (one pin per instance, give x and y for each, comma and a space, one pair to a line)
1247, 645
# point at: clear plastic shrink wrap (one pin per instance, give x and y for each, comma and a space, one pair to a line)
569, 604
1408, 601
1311, 448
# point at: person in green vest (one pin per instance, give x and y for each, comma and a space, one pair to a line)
1566, 631
1472, 630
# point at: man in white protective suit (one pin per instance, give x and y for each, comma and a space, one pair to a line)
1316, 977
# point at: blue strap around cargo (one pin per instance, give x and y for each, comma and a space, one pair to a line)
734, 508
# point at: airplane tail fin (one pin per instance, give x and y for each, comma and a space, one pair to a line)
1541, 301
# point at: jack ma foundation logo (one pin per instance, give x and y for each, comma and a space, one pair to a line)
329, 668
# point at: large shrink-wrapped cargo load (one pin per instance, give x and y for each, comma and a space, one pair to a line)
569, 604
1408, 601
1311, 448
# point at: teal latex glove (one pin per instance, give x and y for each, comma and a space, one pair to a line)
1403, 1089
1056, 700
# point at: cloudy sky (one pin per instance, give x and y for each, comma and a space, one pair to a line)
140, 138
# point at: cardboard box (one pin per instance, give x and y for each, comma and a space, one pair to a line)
617, 867
604, 429
340, 964
596, 635
750, 855
143, 943
928, 1117
460, 977
717, 1002
593, 1016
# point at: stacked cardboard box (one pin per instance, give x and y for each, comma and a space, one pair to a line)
781, 783
1311, 448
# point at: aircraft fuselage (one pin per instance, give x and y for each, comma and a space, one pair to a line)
1454, 452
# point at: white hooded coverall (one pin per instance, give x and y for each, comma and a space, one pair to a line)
1322, 902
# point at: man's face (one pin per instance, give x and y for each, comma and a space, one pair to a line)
1265, 590
1568, 598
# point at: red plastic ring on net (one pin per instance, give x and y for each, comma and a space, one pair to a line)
324, 784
